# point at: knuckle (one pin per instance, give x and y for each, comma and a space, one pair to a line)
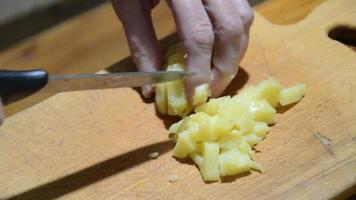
201, 36
247, 18
230, 29
137, 50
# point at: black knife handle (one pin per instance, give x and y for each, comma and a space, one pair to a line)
16, 85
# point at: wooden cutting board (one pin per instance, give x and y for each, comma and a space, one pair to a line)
95, 144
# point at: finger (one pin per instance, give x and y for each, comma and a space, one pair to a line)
231, 39
246, 13
143, 43
196, 32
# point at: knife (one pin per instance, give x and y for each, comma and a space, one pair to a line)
16, 85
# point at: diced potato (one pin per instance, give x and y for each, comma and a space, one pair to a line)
210, 165
232, 111
194, 132
262, 111
176, 67
245, 147
174, 128
211, 108
233, 162
187, 110
260, 129
177, 101
206, 127
269, 90
256, 166
161, 98
220, 135
252, 139
201, 94
222, 127
197, 158
230, 141
248, 93
292, 94
184, 145
244, 123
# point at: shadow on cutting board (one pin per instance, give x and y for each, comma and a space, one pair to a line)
94, 173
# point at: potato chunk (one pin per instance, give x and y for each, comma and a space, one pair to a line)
184, 145
219, 137
170, 97
161, 98
233, 162
210, 166
292, 94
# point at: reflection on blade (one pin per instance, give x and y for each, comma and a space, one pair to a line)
112, 80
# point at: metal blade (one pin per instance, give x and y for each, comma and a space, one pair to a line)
112, 80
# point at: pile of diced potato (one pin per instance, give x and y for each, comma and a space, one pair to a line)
220, 135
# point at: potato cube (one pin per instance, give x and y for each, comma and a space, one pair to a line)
210, 166
260, 129
201, 94
232, 111
230, 141
292, 94
177, 101
263, 111
211, 108
246, 94
174, 128
161, 98
252, 139
184, 145
244, 124
197, 158
233, 162
269, 90
245, 147
222, 127
206, 127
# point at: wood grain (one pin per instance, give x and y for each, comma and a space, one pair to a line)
286, 12
95, 144
86, 44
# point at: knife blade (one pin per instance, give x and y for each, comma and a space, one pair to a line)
16, 85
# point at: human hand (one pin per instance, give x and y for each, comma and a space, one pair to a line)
214, 33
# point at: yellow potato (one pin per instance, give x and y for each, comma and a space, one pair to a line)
184, 145
252, 139
177, 101
161, 98
206, 127
197, 158
233, 162
220, 135
230, 141
262, 111
292, 94
209, 168
211, 108
269, 90
260, 129
201, 94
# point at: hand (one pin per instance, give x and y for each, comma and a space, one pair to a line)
215, 35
